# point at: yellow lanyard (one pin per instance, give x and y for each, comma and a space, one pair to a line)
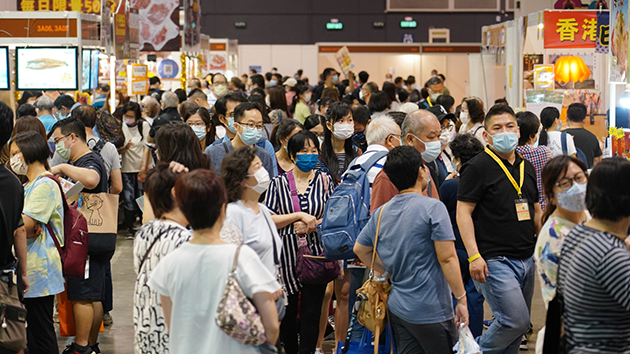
507, 173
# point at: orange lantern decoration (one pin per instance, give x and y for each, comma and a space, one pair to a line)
571, 68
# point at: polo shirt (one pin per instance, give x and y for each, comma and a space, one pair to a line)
218, 152
497, 229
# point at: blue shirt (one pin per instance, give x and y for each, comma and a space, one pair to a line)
410, 224
263, 143
48, 121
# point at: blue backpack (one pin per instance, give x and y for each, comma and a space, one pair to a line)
347, 211
578, 152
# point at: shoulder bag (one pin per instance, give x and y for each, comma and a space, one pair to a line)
12, 313
236, 315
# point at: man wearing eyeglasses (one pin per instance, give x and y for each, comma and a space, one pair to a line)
248, 126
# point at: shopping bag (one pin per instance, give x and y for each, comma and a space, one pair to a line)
364, 346
101, 212
66, 317
466, 343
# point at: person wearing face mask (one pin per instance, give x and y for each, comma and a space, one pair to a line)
299, 108
498, 216
245, 180
564, 181
337, 148
224, 108
199, 120
43, 219
436, 88
539, 155
248, 126
472, 116
420, 255
312, 188
219, 86
361, 116
551, 136
443, 163
329, 78
63, 106
136, 132
283, 133
315, 124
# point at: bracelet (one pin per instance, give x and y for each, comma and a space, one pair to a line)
471, 259
460, 297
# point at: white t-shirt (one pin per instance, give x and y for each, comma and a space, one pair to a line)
194, 278
132, 158
256, 232
554, 142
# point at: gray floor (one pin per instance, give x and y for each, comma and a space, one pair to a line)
118, 338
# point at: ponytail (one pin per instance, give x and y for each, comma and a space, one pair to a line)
543, 138
294, 102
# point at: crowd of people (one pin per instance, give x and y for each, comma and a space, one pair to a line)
228, 181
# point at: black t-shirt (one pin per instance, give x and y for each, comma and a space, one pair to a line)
587, 142
93, 161
497, 229
11, 204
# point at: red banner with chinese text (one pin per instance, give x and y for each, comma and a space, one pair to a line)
570, 29
85, 6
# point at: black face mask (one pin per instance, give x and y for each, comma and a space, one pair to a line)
359, 137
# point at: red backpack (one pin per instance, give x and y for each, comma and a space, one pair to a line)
75, 238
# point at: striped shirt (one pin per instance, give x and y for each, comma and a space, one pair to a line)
312, 202
595, 283
378, 166
538, 156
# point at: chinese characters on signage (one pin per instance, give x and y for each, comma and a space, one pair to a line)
85, 6
570, 29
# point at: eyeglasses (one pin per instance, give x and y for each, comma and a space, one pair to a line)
251, 126
566, 183
61, 139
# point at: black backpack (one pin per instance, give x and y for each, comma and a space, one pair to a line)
578, 152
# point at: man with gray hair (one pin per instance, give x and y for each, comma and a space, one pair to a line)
150, 109
44, 106
170, 101
421, 129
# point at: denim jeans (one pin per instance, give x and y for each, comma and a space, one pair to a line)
509, 288
132, 189
474, 299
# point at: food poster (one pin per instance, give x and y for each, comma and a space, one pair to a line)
590, 98
543, 77
343, 58
537, 100
57, 65
529, 61
589, 83
85, 69
4, 69
218, 62
159, 25
619, 42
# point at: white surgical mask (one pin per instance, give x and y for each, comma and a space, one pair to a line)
361, 94
445, 137
267, 101
463, 116
262, 179
18, 165
307, 97
574, 198
343, 131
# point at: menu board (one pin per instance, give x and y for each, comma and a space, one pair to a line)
4, 68
46, 68
85, 69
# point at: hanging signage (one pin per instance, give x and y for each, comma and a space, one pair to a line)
344, 60
619, 42
159, 25
85, 6
603, 33
334, 24
408, 22
570, 29
168, 69
543, 76
138, 81
494, 36
192, 30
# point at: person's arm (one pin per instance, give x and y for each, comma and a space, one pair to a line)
447, 256
88, 177
266, 307
167, 307
365, 255
19, 243
538, 213
478, 267
285, 220
116, 180
597, 160
31, 226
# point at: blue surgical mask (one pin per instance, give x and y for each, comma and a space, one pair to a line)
306, 162
199, 131
433, 149
335, 79
505, 142
574, 198
250, 135
231, 124
273, 82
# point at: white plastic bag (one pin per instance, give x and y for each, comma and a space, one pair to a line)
466, 343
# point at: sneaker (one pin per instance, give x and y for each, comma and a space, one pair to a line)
487, 323
524, 344
131, 234
319, 351
331, 321
96, 349
74, 348
107, 321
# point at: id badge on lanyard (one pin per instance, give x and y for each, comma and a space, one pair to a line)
521, 205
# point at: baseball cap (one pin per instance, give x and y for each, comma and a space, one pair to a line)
440, 112
291, 82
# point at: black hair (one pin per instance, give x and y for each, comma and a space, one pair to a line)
298, 141
402, 166
398, 80
6, 123
258, 79
206, 118
278, 78
268, 76
410, 80
496, 110
398, 117
103, 87
71, 125
33, 146
201, 197
441, 76
154, 80
28, 94
475, 110
390, 90
284, 130
465, 147
176, 141
363, 77
576, 112
608, 191
158, 187
403, 95
314, 120
555, 169
219, 74
258, 91
277, 98
336, 111
86, 114
501, 101
181, 95
234, 170
447, 101
259, 101
327, 72
414, 96
25, 109
64, 101
361, 115
299, 90
221, 104
528, 124
547, 117
135, 108
239, 111
379, 102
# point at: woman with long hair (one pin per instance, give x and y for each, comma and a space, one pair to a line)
337, 148
299, 108
390, 89
283, 133
315, 124
177, 142
551, 136
472, 115
277, 103
198, 118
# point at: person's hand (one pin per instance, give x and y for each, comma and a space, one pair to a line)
461, 313
451, 176
142, 175
34, 232
300, 227
129, 145
25, 282
277, 294
309, 220
177, 167
56, 170
479, 270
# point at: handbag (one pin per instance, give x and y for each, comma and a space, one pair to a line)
373, 295
236, 315
365, 346
66, 316
311, 269
12, 313
101, 212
